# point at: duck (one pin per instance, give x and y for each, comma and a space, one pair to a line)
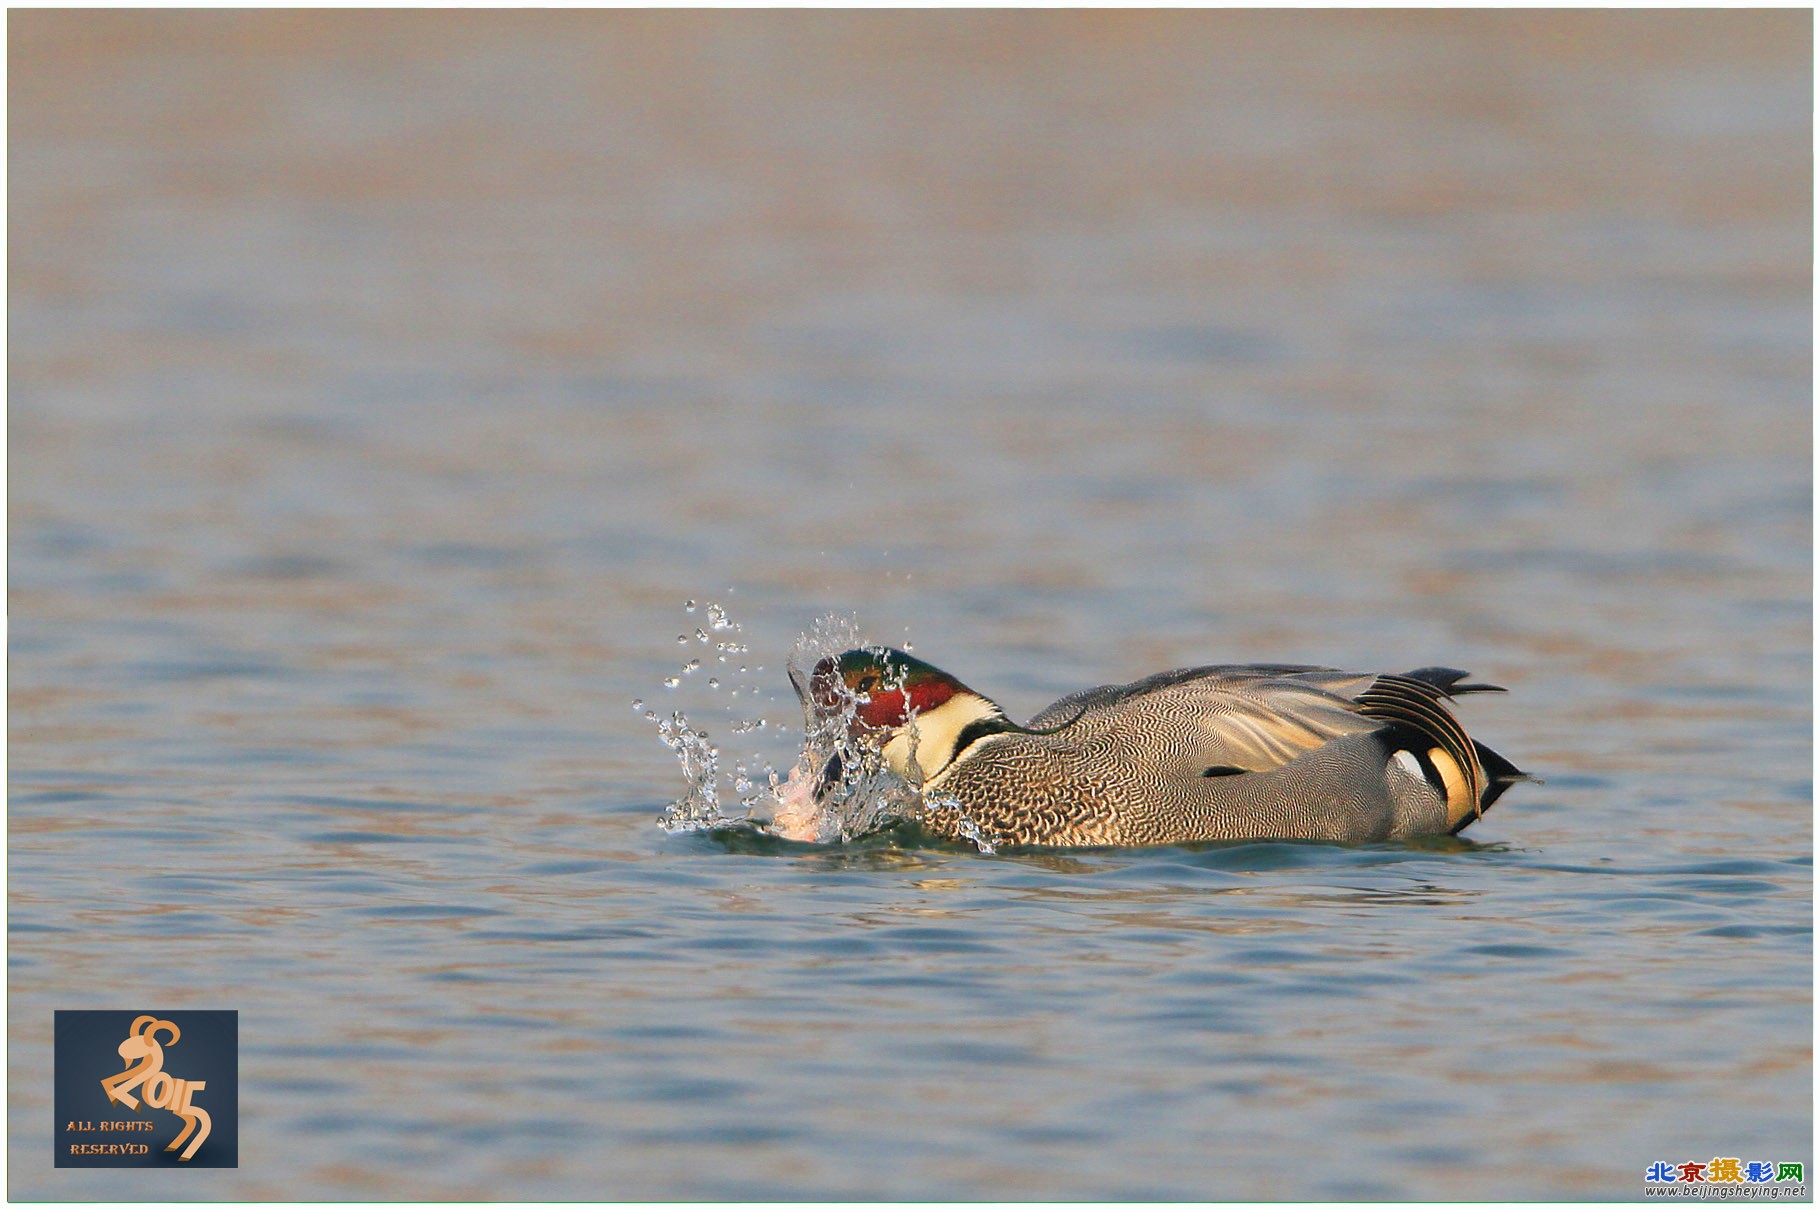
1213, 752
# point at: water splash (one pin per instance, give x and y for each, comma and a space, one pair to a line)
838, 789
699, 807
753, 776
965, 824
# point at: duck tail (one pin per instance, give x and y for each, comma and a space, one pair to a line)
1469, 775
1500, 775
1447, 680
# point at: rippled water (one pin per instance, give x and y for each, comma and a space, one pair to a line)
381, 386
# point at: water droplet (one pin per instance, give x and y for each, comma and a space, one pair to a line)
701, 636
691, 666
714, 682
671, 682
689, 606
638, 703
682, 638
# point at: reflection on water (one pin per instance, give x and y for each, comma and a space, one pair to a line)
382, 382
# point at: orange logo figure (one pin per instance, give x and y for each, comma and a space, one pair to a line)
145, 1065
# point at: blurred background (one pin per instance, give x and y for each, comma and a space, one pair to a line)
382, 383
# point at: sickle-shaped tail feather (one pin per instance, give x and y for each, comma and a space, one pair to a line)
1417, 701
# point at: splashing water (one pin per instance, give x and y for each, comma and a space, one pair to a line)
963, 823
839, 787
753, 776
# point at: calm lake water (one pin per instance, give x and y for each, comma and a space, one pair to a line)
382, 385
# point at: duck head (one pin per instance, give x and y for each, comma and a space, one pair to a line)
917, 716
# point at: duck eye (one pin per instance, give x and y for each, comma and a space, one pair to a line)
866, 683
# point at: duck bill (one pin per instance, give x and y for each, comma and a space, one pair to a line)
802, 696
830, 777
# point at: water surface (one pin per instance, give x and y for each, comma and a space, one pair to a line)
382, 385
